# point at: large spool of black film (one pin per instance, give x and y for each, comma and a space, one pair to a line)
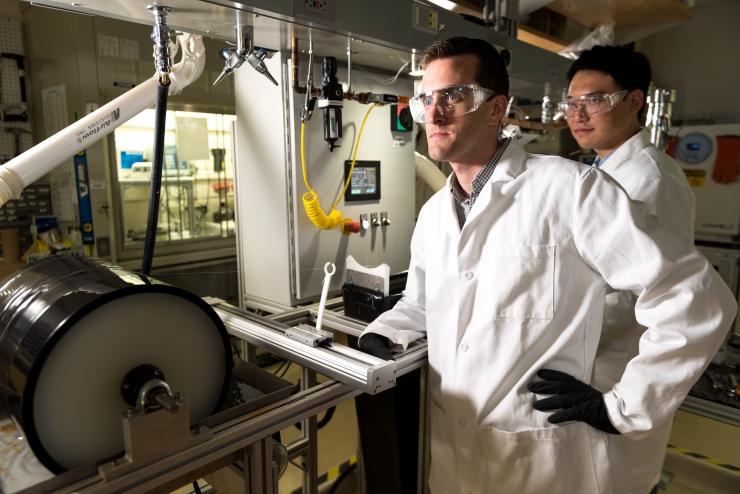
73, 327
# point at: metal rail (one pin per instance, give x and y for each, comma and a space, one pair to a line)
365, 372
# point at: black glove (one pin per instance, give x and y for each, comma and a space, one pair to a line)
376, 345
575, 400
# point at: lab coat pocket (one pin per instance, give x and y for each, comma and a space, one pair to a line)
555, 460
523, 280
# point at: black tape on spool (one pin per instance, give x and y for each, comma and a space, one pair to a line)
72, 327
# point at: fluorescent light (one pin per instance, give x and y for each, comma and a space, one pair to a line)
445, 4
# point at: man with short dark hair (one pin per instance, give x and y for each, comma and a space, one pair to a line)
509, 267
612, 127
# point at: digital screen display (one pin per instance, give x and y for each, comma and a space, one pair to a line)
365, 182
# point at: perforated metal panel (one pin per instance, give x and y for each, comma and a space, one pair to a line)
11, 103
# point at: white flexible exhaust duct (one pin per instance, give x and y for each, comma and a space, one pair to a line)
428, 171
31, 165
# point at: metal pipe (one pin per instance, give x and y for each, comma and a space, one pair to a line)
310, 431
349, 64
294, 65
297, 447
487, 12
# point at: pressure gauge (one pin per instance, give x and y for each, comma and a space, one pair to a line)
694, 148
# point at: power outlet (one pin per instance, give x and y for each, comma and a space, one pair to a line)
315, 9
425, 18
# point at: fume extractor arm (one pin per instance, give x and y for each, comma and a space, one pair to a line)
44, 157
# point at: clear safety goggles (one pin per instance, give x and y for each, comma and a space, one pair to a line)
592, 104
451, 101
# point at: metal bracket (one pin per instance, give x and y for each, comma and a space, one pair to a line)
309, 335
153, 434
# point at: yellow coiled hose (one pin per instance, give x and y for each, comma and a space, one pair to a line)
311, 199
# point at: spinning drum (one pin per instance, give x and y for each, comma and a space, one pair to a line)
73, 332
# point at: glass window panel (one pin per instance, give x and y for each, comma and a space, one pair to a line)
197, 198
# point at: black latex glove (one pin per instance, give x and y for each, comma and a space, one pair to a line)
574, 399
376, 345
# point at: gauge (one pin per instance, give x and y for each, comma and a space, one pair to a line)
694, 148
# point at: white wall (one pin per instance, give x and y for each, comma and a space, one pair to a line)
700, 58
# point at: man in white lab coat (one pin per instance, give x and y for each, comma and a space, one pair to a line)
507, 281
604, 108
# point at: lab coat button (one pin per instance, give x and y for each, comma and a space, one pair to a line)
468, 275
464, 347
461, 422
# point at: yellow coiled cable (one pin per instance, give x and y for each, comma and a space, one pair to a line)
311, 198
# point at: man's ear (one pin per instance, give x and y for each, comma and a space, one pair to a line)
636, 100
498, 109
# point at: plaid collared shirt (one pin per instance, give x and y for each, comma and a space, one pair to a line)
464, 204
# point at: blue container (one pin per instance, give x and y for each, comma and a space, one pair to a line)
128, 159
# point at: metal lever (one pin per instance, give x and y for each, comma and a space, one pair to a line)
374, 220
329, 270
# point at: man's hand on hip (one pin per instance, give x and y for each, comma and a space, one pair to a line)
574, 400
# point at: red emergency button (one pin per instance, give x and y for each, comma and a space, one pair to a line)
351, 227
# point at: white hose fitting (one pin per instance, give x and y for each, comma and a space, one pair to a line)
11, 185
190, 67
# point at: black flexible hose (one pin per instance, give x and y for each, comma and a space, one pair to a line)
321, 423
157, 165
327, 418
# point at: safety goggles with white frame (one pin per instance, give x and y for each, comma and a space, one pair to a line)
451, 101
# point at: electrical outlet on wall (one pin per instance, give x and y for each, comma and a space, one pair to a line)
425, 18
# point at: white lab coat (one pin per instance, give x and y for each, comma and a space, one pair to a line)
654, 179
520, 288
